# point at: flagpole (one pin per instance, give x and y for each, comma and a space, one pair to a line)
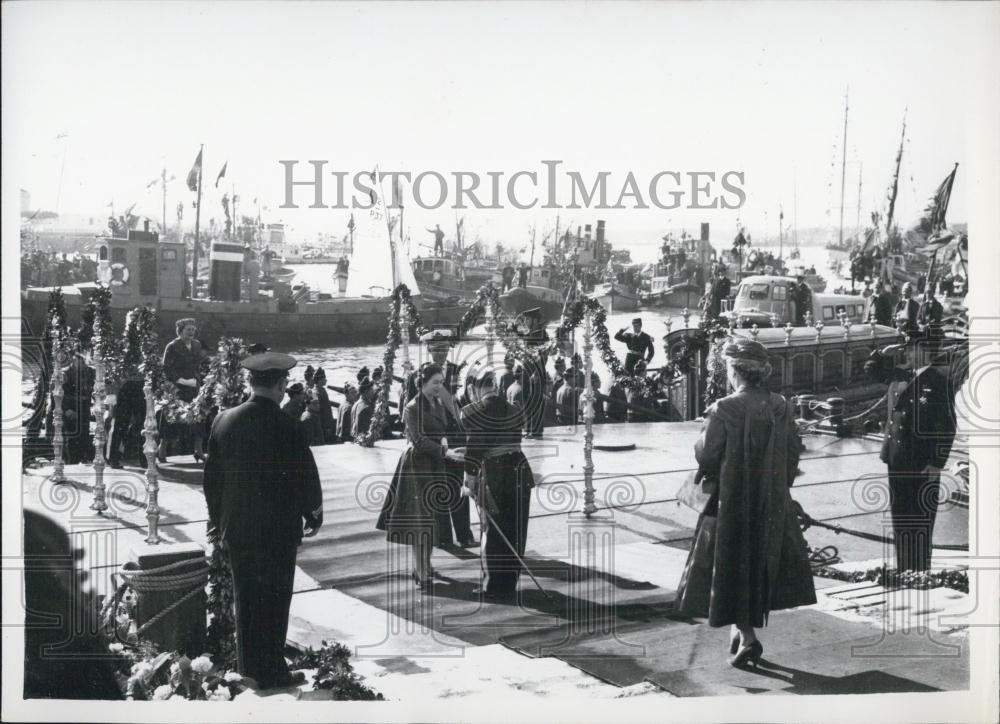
163, 179
197, 229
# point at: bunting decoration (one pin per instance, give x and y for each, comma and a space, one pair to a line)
932, 228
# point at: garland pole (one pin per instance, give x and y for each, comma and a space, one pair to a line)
152, 476
490, 329
99, 505
58, 476
588, 417
404, 331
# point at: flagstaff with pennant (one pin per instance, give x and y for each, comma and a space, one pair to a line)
194, 184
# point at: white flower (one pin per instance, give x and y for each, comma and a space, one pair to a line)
142, 670
220, 694
232, 676
175, 696
201, 665
116, 648
162, 693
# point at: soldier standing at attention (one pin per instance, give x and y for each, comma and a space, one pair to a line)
920, 430
264, 496
638, 342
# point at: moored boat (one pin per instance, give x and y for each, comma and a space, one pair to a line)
616, 298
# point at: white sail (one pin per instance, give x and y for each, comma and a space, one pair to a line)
372, 271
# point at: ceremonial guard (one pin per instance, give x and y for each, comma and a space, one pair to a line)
801, 294
920, 430
499, 476
263, 493
640, 344
568, 399
325, 407
182, 360
345, 431
311, 419
361, 412
929, 317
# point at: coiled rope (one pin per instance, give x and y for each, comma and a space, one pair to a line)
162, 579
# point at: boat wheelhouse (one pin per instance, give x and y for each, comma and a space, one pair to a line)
767, 301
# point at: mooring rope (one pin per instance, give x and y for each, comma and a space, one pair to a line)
158, 580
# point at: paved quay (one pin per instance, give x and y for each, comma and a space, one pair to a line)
605, 627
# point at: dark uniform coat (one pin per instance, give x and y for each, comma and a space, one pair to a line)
920, 430
640, 346
180, 361
78, 390
260, 484
905, 316
748, 557
567, 404
494, 451
418, 493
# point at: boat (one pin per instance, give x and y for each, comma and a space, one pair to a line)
141, 269
616, 297
684, 268
448, 277
765, 301
539, 292
808, 362
664, 294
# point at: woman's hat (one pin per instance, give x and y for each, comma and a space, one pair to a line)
294, 389
746, 349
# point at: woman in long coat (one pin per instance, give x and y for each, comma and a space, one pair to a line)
419, 491
748, 557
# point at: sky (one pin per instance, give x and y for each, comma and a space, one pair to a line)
98, 98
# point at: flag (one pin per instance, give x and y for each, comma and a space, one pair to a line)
740, 240
195, 173
222, 173
350, 223
930, 232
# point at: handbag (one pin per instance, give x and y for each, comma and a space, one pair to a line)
697, 490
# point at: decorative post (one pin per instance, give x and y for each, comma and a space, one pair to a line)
404, 336
57, 412
788, 333
490, 330
152, 476
871, 325
99, 505
819, 331
754, 331
847, 329
808, 318
670, 324
687, 317
588, 417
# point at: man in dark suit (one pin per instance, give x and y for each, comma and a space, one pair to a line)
920, 429
638, 342
906, 312
929, 316
262, 489
364, 408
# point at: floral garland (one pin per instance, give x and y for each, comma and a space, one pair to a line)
221, 634
55, 321
380, 415
884, 576
102, 332
705, 338
223, 387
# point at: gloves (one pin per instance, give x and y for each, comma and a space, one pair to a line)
313, 522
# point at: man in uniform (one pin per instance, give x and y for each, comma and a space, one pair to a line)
364, 408
638, 342
880, 305
438, 239
263, 493
906, 312
345, 433
929, 317
535, 377
920, 429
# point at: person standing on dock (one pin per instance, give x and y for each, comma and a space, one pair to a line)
748, 556
880, 305
920, 430
78, 388
364, 408
537, 378
411, 511
264, 495
568, 399
296, 403
345, 431
325, 408
638, 342
498, 475
801, 295
929, 317
182, 360
906, 312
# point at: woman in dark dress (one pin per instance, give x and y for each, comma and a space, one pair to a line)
182, 359
419, 490
748, 557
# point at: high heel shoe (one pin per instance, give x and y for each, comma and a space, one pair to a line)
734, 643
200, 457
750, 653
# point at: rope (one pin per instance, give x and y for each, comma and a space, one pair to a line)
807, 521
154, 580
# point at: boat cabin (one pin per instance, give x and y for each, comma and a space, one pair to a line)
767, 302
141, 266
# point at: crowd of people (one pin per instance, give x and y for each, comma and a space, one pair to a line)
52, 269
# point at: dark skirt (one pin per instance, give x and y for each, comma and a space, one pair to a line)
418, 494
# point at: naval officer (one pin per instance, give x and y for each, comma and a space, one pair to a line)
638, 342
920, 430
264, 495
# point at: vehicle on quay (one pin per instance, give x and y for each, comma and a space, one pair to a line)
766, 301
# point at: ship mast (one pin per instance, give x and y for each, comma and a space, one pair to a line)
857, 222
895, 183
795, 209
843, 176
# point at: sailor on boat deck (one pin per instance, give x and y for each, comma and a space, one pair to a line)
638, 342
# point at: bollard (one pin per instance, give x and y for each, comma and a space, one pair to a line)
805, 406
170, 583
837, 415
